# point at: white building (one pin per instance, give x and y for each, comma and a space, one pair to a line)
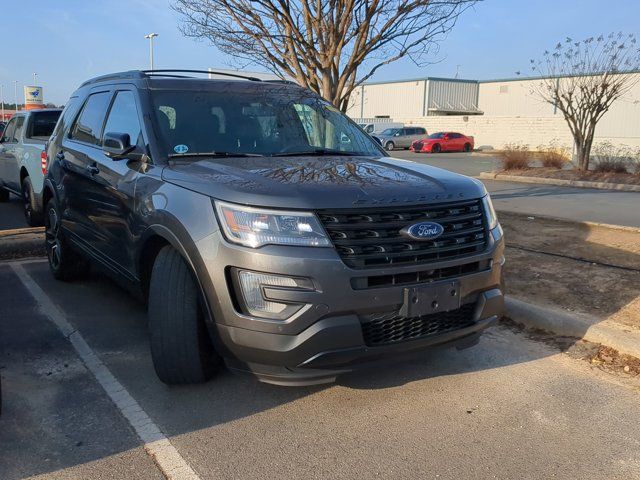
495, 112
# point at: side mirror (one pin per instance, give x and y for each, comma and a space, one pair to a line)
397, 134
116, 146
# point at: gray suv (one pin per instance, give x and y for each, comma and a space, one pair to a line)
393, 138
264, 229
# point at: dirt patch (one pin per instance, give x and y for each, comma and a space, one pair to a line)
605, 177
590, 270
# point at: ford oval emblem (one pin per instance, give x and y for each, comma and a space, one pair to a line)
424, 230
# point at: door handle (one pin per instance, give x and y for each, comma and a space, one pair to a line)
93, 170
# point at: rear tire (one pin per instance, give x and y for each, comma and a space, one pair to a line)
65, 264
389, 146
181, 348
436, 148
467, 147
32, 216
4, 195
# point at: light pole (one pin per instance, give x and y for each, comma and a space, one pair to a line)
35, 79
2, 101
150, 37
15, 93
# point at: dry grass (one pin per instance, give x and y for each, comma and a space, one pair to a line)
554, 155
515, 156
610, 158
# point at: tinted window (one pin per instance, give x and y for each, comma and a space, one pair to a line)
390, 131
123, 117
17, 135
88, 126
42, 124
437, 135
454, 135
8, 131
265, 121
420, 131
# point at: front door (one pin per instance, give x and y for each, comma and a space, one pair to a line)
115, 180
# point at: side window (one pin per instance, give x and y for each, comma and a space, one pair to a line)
9, 130
421, 131
64, 122
17, 134
454, 135
123, 117
88, 126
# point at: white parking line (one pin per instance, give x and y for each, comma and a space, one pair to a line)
172, 465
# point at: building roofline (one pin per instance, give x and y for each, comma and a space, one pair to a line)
493, 80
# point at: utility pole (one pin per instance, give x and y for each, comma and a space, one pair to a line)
35, 79
2, 101
15, 93
150, 37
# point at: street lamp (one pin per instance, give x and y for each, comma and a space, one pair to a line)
150, 37
35, 79
15, 93
2, 101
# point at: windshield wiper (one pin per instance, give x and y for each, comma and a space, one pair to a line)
213, 154
319, 152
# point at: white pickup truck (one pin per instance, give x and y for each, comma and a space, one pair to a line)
23, 159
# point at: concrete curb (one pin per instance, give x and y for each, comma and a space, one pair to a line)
22, 242
559, 182
610, 226
623, 339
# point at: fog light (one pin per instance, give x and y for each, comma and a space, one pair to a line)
254, 302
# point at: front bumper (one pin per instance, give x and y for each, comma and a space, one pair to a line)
326, 337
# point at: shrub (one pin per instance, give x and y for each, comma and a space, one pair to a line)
609, 158
554, 155
515, 156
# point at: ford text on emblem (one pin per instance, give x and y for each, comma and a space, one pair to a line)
424, 230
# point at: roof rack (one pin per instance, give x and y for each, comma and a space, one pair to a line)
174, 73
208, 72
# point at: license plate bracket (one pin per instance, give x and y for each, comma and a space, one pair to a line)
426, 299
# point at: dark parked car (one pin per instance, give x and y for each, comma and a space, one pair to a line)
265, 229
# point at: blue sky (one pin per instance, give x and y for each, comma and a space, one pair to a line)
67, 41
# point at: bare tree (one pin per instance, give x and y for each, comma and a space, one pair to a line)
322, 44
583, 78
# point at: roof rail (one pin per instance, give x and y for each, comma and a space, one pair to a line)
208, 72
164, 73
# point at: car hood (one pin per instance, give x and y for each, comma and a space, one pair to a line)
321, 182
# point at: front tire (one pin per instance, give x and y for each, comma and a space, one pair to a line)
389, 146
467, 147
31, 214
181, 349
436, 148
65, 264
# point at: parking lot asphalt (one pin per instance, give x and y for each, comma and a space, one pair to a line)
511, 407
580, 204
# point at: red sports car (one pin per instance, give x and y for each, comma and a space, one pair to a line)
443, 142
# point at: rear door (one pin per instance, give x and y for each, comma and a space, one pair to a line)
405, 138
10, 153
76, 154
6, 150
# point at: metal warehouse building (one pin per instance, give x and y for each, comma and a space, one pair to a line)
495, 112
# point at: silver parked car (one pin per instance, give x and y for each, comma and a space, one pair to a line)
393, 138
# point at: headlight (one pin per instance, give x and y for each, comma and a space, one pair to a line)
490, 213
255, 227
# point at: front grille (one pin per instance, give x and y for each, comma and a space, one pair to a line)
372, 238
391, 328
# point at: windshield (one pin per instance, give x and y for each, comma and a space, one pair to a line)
437, 135
256, 121
390, 131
